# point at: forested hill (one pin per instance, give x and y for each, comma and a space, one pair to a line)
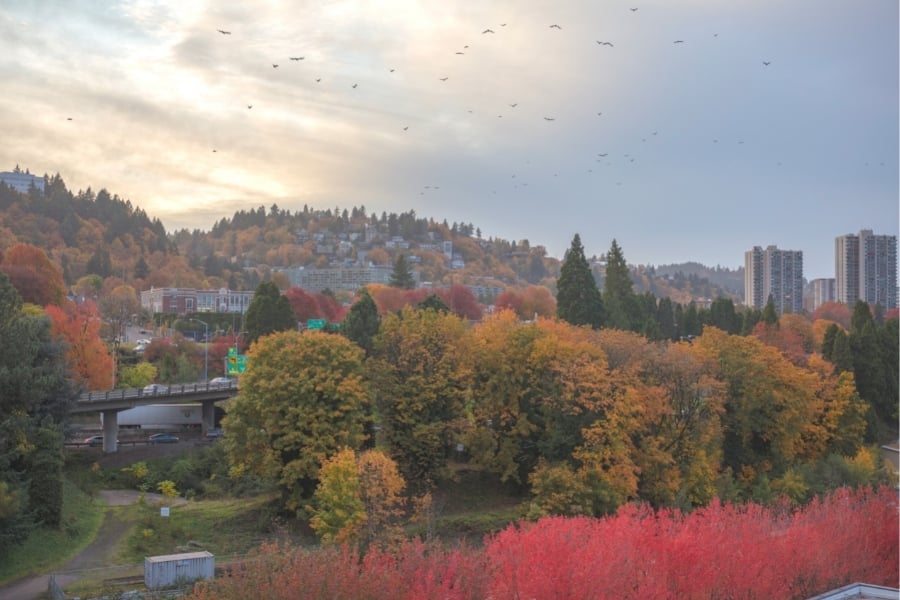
101, 234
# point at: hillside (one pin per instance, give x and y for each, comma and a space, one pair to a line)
100, 234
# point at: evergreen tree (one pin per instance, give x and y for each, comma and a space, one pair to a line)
618, 293
769, 314
861, 317
402, 276
578, 300
840, 355
270, 311
665, 318
828, 341
362, 321
434, 303
723, 315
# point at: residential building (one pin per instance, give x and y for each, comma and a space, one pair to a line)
348, 278
865, 268
190, 300
21, 182
822, 292
774, 273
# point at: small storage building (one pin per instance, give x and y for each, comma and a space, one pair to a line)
171, 570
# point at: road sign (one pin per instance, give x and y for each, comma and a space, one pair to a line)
316, 323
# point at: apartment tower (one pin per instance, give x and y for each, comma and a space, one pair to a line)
865, 268
774, 273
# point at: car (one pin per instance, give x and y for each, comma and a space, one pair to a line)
163, 438
156, 388
220, 382
214, 433
95, 440
143, 342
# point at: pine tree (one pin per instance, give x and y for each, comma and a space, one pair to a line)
362, 321
402, 276
619, 302
270, 311
577, 298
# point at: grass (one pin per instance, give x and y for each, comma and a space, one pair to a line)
223, 527
46, 549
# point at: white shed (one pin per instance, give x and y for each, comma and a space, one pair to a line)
171, 570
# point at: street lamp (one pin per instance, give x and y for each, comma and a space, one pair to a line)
205, 349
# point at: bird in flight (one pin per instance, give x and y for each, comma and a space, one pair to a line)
767, 63
555, 26
488, 31
549, 118
405, 128
354, 85
444, 78
223, 32
633, 9
460, 52
297, 57
274, 66
514, 104
318, 79
68, 118
605, 43
603, 154
678, 42
392, 70
249, 106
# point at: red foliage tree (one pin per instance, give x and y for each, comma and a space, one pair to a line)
36, 279
834, 311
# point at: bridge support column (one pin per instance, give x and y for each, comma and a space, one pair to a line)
208, 415
110, 430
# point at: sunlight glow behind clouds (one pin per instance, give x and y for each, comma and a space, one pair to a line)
700, 137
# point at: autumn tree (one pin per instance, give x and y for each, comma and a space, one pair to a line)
34, 276
419, 367
578, 300
302, 398
358, 499
269, 312
89, 360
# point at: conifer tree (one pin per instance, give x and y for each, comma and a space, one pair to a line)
578, 300
402, 276
270, 311
619, 302
362, 321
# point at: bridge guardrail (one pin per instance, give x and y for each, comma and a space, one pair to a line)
174, 390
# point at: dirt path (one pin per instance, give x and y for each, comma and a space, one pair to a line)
97, 554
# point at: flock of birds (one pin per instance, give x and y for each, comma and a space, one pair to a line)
603, 157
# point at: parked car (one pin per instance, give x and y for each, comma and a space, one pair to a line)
220, 382
214, 433
156, 388
95, 440
143, 342
163, 438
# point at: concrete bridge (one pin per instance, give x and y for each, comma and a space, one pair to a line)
111, 402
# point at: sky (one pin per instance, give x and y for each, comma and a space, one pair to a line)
686, 131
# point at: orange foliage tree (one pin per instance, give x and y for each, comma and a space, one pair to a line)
90, 363
34, 276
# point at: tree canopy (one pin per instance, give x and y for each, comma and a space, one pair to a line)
578, 300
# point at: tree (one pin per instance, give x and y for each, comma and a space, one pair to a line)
362, 321
90, 361
269, 312
419, 367
302, 399
578, 300
36, 279
35, 394
618, 294
358, 498
402, 276
433, 302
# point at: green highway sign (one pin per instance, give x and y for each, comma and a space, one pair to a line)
316, 323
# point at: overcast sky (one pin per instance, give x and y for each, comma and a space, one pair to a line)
652, 122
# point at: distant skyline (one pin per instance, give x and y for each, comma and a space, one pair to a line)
688, 131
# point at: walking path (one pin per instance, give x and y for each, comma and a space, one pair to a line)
95, 555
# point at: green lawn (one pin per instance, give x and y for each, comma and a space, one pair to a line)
47, 549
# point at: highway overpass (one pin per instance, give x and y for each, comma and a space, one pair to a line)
111, 402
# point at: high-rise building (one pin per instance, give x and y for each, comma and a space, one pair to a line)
774, 273
822, 292
865, 268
